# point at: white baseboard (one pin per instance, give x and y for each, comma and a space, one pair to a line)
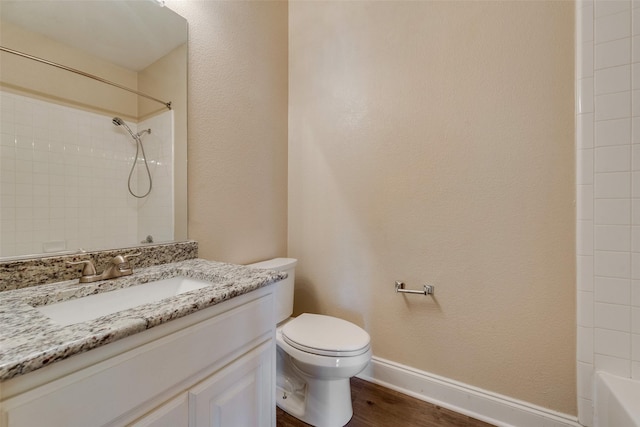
472, 401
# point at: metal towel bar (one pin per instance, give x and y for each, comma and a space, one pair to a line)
427, 290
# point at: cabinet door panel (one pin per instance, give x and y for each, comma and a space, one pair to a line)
174, 413
239, 395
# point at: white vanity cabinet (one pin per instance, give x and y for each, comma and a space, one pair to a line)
234, 396
224, 399
174, 413
215, 367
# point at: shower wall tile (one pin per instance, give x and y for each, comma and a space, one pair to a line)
635, 103
585, 130
611, 7
635, 293
586, 96
585, 344
616, 317
585, 406
635, 49
635, 212
586, 59
611, 106
635, 239
612, 343
585, 202
590, 209
585, 273
612, 27
612, 290
614, 365
612, 132
585, 22
635, 185
613, 79
635, 347
585, 313
613, 159
609, 54
156, 214
63, 177
612, 238
635, 320
585, 387
585, 240
612, 212
584, 169
635, 21
635, 265
612, 264
612, 185
585, 411
635, 157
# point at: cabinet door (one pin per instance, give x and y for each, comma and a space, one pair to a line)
240, 395
174, 413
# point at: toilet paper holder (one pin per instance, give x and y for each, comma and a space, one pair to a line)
427, 290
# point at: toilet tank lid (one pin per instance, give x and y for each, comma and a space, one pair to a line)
275, 264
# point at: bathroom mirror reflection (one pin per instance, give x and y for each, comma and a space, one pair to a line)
72, 149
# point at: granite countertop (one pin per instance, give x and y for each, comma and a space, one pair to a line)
29, 340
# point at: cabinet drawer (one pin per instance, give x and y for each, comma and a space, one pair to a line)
96, 395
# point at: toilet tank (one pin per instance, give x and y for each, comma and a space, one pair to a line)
284, 290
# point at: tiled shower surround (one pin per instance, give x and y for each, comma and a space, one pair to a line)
63, 179
608, 193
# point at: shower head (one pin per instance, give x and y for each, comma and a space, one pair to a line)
119, 122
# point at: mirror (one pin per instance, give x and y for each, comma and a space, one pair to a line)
66, 165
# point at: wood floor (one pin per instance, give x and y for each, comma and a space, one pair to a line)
376, 406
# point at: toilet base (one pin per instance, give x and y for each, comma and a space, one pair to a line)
325, 403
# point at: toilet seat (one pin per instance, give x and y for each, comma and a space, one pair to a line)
325, 336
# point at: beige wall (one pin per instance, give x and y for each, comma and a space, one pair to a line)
433, 142
237, 146
47, 82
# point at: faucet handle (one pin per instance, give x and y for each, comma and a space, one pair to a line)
126, 258
121, 262
88, 270
132, 255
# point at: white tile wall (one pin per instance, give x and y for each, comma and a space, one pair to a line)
609, 54
612, 290
155, 212
608, 226
63, 178
611, 211
613, 132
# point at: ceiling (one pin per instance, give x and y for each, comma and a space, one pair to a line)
132, 34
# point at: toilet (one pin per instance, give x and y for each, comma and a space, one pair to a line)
316, 357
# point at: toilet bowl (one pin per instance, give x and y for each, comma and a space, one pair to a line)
316, 357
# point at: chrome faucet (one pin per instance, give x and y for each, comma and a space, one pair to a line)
118, 267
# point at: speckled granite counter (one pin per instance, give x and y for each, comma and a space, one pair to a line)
29, 340
23, 273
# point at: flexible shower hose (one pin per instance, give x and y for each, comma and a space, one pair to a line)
139, 147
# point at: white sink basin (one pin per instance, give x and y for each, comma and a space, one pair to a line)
94, 306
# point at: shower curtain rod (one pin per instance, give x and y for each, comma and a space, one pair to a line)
82, 73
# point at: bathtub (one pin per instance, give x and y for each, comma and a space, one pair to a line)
617, 401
